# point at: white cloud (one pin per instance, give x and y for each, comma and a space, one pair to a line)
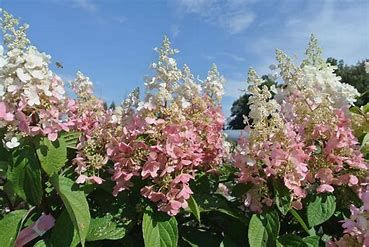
237, 22
233, 16
342, 29
208, 57
91, 7
233, 56
86, 5
174, 30
196, 6
234, 87
120, 19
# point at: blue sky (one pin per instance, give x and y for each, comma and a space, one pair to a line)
112, 41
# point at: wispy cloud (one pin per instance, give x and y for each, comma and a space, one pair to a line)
233, 56
208, 57
120, 19
91, 7
86, 5
233, 16
340, 26
234, 87
237, 22
203, 7
175, 30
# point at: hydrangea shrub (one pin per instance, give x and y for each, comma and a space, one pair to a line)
158, 170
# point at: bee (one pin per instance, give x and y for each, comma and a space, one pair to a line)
59, 65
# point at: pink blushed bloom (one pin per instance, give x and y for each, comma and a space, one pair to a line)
52, 136
325, 188
93, 179
81, 179
185, 192
4, 114
96, 180
171, 208
150, 120
151, 169
183, 178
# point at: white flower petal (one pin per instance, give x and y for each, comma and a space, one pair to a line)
24, 77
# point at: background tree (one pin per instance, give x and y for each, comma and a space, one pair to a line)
112, 105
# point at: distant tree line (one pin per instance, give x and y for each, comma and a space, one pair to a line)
111, 106
354, 75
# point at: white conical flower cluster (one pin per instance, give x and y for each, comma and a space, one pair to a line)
29, 91
315, 79
14, 34
214, 84
171, 85
189, 89
165, 81
127, 108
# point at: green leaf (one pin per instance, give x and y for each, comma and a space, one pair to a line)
297, 217
76, 204
228, 242
3, 167
365, 141
264, 229
25, 176
71, 139
9, 227
312, 241
194, 207
257, 234
240, 189
104, 228
272, 225
52, 155
356, 110
283, 197
40, 243
159, 230
226, 172
290, 240
200, 237
320, 208
64, 233
5, 155
209, 202
366, 108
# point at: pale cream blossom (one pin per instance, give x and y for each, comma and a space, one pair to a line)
214, 84
161, 86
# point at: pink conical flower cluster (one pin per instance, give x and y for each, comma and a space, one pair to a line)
164, 140
299, 135
171, 136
